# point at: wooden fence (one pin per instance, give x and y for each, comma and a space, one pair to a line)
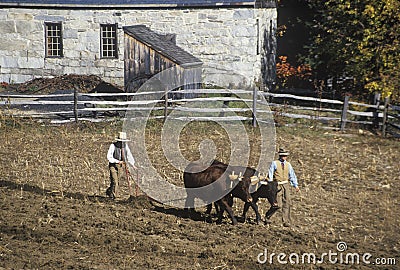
74, 106
381, 115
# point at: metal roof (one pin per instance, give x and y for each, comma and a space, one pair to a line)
128, 3
162, 45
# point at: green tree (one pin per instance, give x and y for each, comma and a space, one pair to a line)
357, 39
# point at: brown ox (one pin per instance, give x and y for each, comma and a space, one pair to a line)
197, 175
268, 190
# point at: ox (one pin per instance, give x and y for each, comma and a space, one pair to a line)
197, 175
265, 189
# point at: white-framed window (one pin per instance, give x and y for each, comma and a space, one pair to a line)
108, 41
54, 42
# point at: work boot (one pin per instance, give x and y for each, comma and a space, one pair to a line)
110, 193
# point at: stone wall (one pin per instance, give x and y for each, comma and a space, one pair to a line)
230, 42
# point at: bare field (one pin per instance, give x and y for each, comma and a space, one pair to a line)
54, 213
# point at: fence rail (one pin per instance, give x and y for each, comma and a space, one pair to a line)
95, 107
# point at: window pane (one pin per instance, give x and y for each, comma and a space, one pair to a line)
53, 40
108, 41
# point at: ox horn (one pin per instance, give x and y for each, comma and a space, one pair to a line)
233, 177
240, 176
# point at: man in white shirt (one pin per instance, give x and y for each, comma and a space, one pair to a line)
118, 156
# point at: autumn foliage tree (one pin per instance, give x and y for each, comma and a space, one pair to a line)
289, 76
357, 39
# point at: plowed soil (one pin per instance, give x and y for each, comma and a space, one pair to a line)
54, 213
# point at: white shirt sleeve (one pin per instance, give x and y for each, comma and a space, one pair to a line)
292, 176
271, 171
130, 158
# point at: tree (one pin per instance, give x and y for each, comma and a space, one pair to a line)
292, 34
289, 76
357, 39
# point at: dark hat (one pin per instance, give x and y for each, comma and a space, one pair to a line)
283, 152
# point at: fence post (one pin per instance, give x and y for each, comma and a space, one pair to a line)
344, 112
254, 115
165, 104
76, 105
384, 119
375, 113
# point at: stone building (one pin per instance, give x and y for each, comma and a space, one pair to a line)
234, 40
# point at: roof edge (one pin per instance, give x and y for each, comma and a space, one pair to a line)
133, 6
196, 63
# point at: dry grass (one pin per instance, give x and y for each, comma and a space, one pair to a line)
349, 191
73, 156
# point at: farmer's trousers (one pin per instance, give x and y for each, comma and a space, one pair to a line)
116, 173
283, 199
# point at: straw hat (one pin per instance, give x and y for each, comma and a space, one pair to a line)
283, 152
122, 137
